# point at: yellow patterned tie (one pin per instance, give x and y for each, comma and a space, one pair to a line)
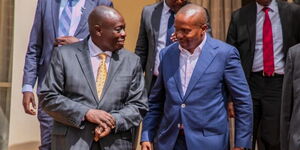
102, 74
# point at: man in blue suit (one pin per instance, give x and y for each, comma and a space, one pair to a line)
187, 105
56, 22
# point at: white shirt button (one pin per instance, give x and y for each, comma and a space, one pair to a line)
182, 105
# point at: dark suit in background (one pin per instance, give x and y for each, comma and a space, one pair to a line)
290, 114
266, 91
146, 45
43, 34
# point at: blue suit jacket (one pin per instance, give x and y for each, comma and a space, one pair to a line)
202, 110
43, 33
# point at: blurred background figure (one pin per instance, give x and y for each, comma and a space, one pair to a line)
290, 114
156, 29
263, 31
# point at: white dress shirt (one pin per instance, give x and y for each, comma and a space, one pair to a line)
162, 35
95, 60
187, 63
76, 16
277, 39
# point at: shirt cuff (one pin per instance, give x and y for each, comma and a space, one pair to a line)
27, 88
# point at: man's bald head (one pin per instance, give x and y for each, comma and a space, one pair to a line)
101, 14
107, 28
195, 12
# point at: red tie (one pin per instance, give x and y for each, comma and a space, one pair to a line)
268, 53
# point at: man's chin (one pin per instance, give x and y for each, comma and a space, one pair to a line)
118, 47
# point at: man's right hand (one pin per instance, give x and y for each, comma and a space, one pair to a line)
100, 117
146, 145
29, 103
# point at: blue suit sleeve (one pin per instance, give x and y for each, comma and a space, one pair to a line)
35, 46
241, 97
156, 107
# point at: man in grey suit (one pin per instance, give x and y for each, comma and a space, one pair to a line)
156, 26
289, 120
70, 91
45, 34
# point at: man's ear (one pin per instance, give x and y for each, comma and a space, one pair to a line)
204, 27
98, 30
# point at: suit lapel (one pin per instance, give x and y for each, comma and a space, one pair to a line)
175, 68
83, 57
88, 7
155, 20
283, 14
55, 14
207, 55
114, 65
251, 25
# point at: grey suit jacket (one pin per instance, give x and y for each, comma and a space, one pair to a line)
69, 91
290, 120
43, 33
147, 38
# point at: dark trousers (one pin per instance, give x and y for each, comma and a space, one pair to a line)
180, 143
266, 95
152, 83
95, 146
46, 123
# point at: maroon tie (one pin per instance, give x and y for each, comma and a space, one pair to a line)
268, 53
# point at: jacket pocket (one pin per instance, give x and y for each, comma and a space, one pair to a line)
216, 129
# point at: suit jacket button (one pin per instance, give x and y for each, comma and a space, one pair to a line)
182, 105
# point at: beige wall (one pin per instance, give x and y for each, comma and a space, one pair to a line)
131, 10
24, 129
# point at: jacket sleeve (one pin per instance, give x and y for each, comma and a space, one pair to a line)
156, 106
106, 3
232, 33
35, 47
58, 106
287, 101
135, 106
141, 48
241, 97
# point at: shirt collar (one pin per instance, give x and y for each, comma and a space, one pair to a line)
95, 50
273, 7
198, 48
166, 8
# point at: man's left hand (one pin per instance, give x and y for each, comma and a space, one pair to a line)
173, 37
101, 132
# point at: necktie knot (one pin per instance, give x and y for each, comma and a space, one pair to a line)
102, 56
71, 3
171, 12
266, 9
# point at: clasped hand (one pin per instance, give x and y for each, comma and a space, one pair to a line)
104, 120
